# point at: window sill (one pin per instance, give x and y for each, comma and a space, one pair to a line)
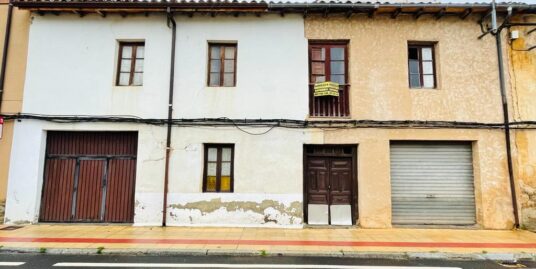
219, 87
426, 89
128, 87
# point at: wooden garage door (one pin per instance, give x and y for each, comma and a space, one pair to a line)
432, 183
89, 177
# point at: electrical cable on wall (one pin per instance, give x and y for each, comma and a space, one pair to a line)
272, 123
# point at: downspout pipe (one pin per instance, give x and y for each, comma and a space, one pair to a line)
497, 32
5, 52
173, 25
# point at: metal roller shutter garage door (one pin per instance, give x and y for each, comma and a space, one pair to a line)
432, 183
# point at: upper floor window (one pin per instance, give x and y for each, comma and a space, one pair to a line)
328, 61
130, 64
222, 65
421, 66
218, 171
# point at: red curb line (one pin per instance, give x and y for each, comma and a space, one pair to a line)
265, 242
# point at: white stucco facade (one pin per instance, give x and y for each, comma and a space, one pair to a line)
271, 75
271, 50
262, 195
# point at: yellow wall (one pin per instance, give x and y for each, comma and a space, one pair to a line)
523, 85
468, 86
493, 203
14, 84
468, 90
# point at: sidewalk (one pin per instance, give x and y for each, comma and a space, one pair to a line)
393, 243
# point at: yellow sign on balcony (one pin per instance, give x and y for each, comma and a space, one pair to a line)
327, 88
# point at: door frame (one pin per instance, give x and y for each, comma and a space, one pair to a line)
353, 183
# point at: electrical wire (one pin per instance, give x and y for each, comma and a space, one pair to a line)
271, 123
250, 133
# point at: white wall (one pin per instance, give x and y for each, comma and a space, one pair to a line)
28, 158
71, 71
272, 68
268, 178
72, 64
268, 175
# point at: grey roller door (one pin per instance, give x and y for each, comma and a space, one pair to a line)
432, 183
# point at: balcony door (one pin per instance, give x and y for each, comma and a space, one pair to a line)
328, 61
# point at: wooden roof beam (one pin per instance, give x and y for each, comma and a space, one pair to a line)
79, 13
101, 13
349, 13
440, 14
396, 13
372, 13
419, 13
466, 13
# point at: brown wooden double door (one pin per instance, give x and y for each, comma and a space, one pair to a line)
89, 177
329, 183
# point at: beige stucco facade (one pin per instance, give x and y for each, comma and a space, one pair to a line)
468, 90
14, 83
522, 66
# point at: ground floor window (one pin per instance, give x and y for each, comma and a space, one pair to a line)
218, 168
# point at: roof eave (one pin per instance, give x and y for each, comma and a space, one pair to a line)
42, 5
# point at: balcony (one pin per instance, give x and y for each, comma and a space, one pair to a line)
330, 106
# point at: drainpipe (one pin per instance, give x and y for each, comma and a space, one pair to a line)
173, 25
4, 52
497, 32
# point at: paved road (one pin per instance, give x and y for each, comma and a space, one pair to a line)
124, 261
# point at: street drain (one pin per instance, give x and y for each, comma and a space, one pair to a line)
11, 228
512, 264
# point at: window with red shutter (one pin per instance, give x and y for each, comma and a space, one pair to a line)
328, 61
